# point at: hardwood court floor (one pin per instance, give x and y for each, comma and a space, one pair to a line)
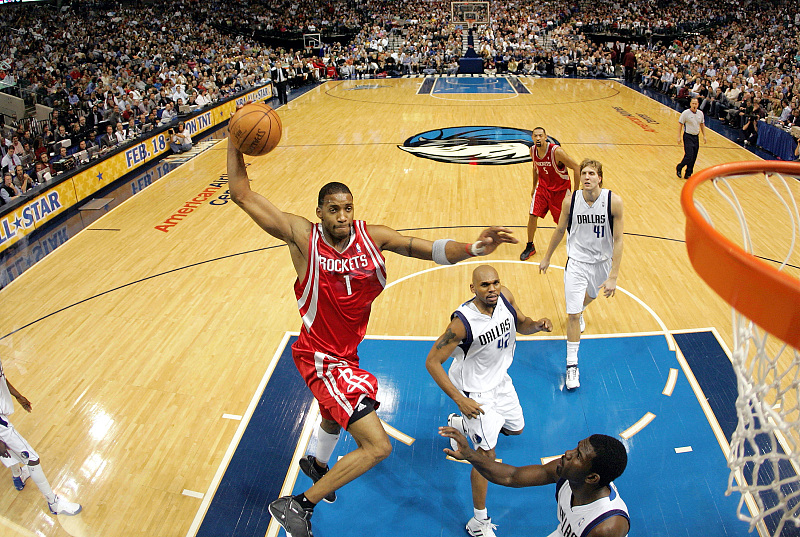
132, 342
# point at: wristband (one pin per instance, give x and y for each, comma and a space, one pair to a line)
468, 249
476, 250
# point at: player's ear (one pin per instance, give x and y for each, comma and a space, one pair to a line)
319, 212
592, 479
472, 288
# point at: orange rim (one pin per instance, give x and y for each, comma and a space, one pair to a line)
769, 298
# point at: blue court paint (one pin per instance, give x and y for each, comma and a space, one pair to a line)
417, 492
257, 470
472, 85
714, 372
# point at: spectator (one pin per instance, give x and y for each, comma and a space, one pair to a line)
22, 180
108, 140
43, 173
8, 191
11, 160
168, 115
120, 133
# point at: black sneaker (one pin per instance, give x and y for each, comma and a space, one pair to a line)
308, 468
529, 250
291, 516
678, 173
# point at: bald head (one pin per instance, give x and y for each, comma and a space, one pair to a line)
486, 286
484, 272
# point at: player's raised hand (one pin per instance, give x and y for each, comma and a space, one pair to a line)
463, 445
491, 238
609, 287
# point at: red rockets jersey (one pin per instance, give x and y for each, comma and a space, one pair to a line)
335, 298
551, 176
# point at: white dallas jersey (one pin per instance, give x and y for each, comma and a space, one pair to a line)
579, 520
6, 400
480, 362
590, 231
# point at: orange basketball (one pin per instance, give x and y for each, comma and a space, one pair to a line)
255, 129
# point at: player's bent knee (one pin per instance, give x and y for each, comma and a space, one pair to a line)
508, 432
330, 426
384, 449
33, 463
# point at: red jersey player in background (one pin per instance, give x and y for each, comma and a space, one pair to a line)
551, 166
340, 271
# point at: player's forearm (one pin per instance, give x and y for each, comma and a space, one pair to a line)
12, 390
496, 472
528, 327
423, 249
616, 258
434, 366
238, 182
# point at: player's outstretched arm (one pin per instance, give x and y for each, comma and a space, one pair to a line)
526, 325
610, 285
497, 472
283, 226
490, 238
439, 353
558, 234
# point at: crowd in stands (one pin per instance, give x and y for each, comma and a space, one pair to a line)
111, 74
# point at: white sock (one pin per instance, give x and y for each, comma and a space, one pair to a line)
572, 352
16, 471
326, 443
37, 475
480, 514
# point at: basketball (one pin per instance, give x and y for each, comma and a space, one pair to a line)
255, 129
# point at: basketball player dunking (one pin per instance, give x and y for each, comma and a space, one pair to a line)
593, 219
551, 166
340, 271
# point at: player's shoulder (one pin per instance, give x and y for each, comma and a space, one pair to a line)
613, 526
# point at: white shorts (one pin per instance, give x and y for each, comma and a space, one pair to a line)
19, 449
583, 279
501, 409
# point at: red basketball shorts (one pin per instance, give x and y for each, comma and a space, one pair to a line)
338, 384
547, 200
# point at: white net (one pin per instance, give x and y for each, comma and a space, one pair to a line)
764, 456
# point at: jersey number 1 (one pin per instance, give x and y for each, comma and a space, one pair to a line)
347, 283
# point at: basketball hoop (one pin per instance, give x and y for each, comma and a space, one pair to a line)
760, 291
759, 278
470, 23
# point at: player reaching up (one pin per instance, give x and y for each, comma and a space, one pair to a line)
340, 271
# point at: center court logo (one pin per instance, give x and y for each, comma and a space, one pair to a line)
473, 145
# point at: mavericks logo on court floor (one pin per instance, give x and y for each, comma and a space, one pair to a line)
473, 145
